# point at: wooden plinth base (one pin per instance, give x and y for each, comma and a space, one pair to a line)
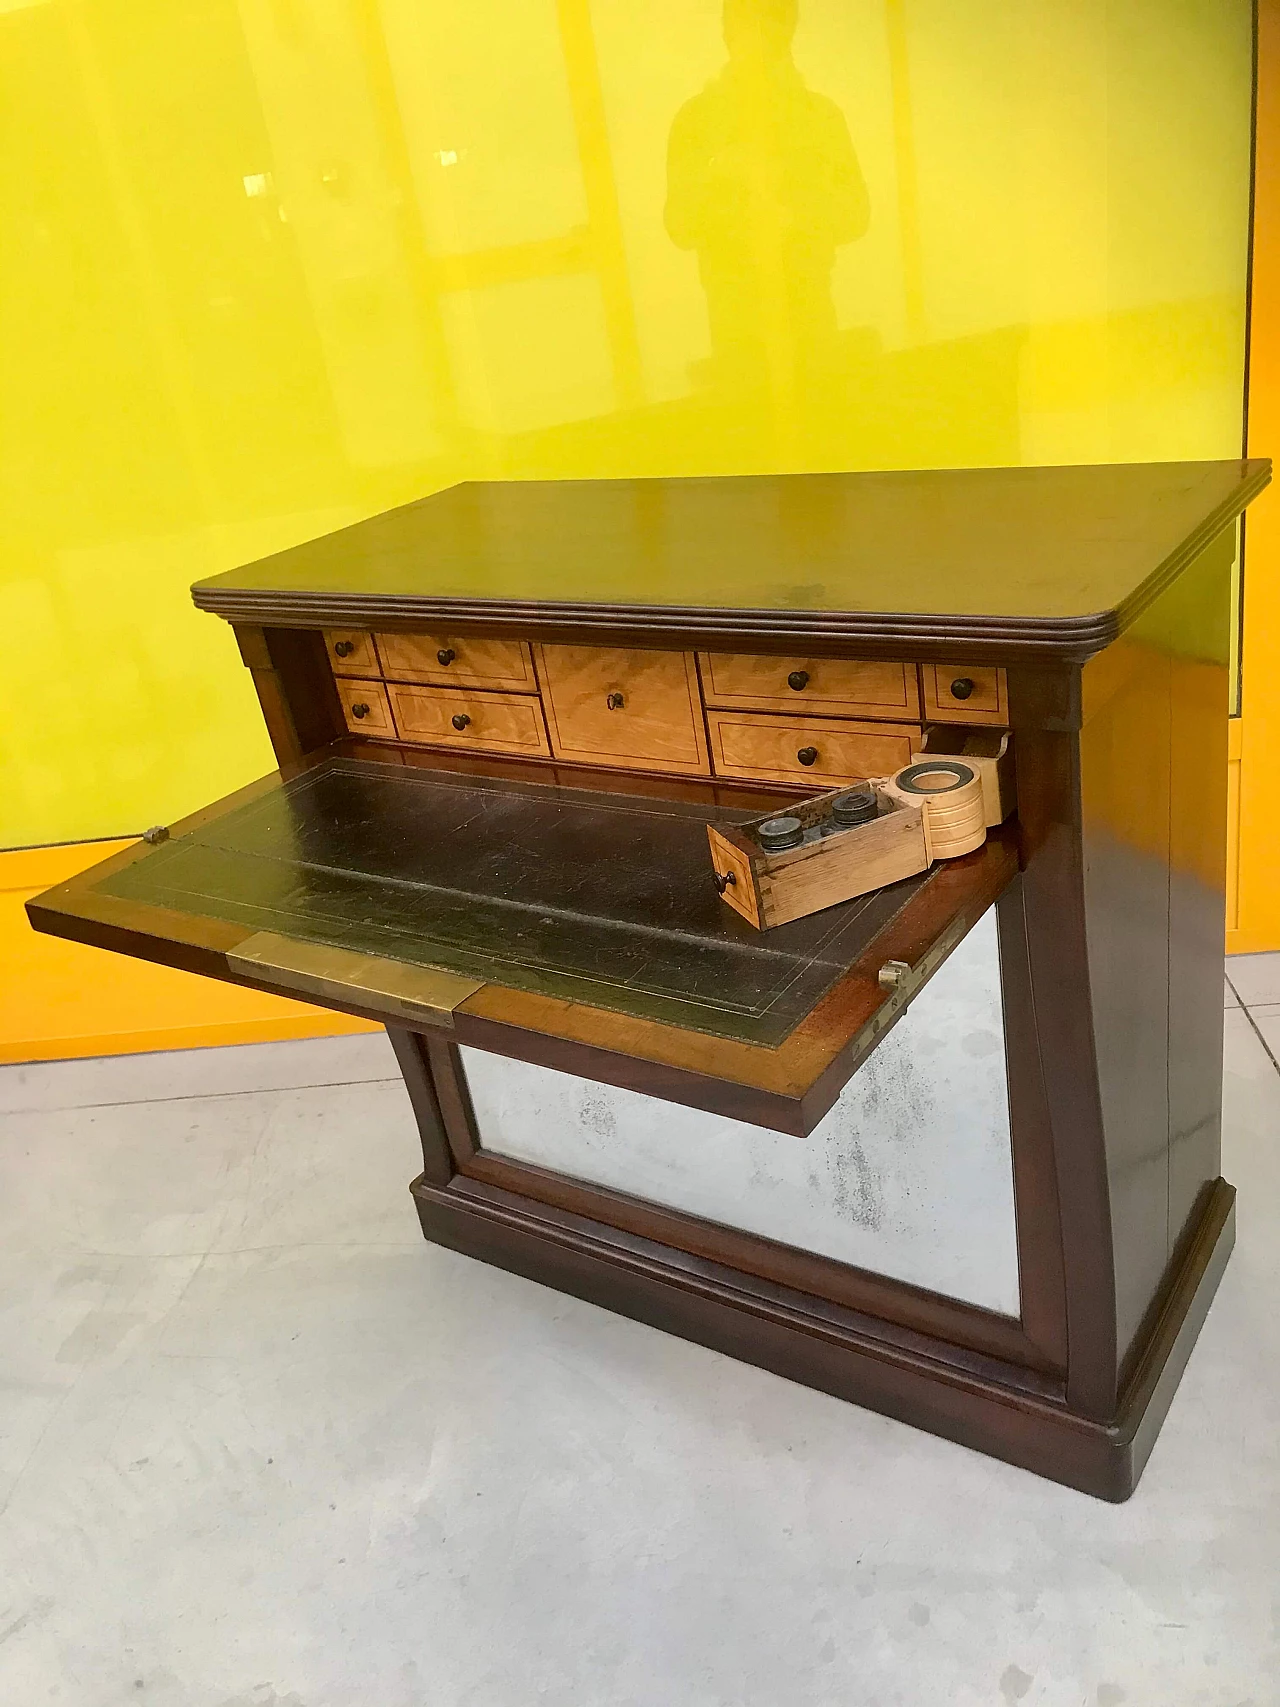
840, 1351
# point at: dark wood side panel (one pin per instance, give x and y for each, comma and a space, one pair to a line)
412, 1053
1194, 617
295, 688
1041, 1281
1058, 965
1124, 802
1153, 811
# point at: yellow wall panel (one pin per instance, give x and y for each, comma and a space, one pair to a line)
273, 266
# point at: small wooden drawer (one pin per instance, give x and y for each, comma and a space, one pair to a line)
365, 707
351, 654
807, 749
964, 693
446, 717
469, 661
630, 709
831, 686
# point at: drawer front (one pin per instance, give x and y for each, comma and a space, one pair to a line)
770, 748
491, 722
964, 693
351, 653
810, 685
630, 709
365, 707
471, 661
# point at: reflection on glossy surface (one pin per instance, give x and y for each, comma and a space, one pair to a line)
1039, 544
763, 185
276, 265
601, 898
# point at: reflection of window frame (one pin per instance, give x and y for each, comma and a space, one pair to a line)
595, 247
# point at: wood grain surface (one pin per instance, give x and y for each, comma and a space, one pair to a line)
494, 722
747, 681
475, 661
351, 652
759, 745
632, 707
987, 703
366, 708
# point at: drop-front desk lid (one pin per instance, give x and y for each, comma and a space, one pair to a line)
572, 926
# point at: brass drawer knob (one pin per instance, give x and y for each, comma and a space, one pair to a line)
343, 648
445, 655
962, 687
798, 680
361, 710
808, 755
614, 701
459, 720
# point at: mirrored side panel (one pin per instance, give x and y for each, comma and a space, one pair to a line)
909, 1176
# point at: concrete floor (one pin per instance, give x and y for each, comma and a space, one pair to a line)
260, 1446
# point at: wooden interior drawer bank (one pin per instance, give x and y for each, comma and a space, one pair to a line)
471, 661
749, 716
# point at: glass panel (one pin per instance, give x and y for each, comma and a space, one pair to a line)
600, 898
899, 235
910, 1174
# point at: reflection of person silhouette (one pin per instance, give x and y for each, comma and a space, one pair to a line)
763, 182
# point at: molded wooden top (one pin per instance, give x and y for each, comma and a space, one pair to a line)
1002, 562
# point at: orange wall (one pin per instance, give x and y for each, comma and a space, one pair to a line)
59, 999
1253, 913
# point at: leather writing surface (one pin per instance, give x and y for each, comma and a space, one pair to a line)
604, 899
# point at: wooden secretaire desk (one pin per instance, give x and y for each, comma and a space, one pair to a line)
980, 1193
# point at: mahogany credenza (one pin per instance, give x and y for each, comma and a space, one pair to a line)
982, 1194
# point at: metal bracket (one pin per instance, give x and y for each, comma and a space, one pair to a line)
893, 975
425, 994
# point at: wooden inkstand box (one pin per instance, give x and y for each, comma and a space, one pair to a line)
850, 841
751, 878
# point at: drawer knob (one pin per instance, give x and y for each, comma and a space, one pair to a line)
445, 655
808, 755
962, 687
723, 881
798, 680
459, 720
361, 710
343, 648
614, 701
